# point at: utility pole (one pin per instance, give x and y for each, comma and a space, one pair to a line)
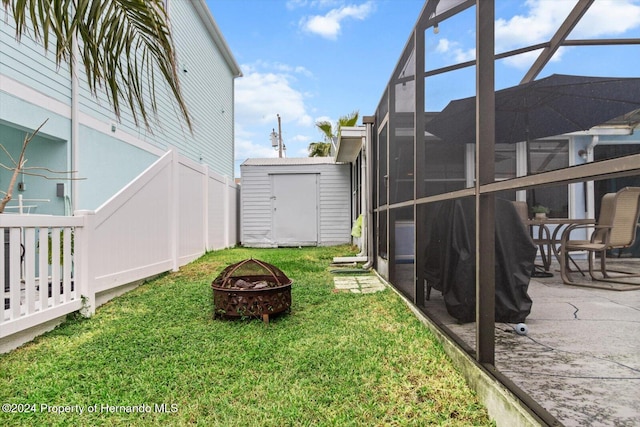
279, 137
276, 138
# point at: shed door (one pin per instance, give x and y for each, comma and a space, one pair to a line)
294, 205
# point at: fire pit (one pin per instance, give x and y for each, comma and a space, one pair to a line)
251, 288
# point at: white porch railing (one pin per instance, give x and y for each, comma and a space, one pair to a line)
36, 289
51, 266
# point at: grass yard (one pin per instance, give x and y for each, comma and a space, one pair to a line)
155, 356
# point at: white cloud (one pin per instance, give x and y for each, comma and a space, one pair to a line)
266, 90
294, 4
302, 70
286, 69
245, 147
454, 50
302, 142
541, 20
608, 17
324, 119
300, 138
261, 95
544, 17
329, 25
443, 45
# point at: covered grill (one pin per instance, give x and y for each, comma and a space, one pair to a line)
251, 288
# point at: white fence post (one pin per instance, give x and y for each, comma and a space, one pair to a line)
205, 207
83, 253
174, 198
226, 206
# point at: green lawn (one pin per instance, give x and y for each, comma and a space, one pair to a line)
337, 359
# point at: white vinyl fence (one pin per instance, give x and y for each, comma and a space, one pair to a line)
51, 266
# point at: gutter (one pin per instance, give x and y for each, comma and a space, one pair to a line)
368, 121
75, 129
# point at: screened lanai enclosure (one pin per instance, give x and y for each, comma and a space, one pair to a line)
443, 177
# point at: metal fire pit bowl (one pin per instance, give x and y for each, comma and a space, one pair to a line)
251, 288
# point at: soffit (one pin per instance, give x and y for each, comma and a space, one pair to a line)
349, 144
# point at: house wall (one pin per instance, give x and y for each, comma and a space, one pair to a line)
27, 63
334, 206
42, 150
105, 170
207, 82
111, 152
22, 110
33, 89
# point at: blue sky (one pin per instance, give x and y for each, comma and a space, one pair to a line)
311, 60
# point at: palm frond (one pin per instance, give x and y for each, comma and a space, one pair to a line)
350, 119
326, 128
122, 43
319, 149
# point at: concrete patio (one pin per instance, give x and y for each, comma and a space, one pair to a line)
580, 359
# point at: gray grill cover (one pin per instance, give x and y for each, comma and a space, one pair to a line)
450, 259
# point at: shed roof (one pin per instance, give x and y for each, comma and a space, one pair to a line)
289, 161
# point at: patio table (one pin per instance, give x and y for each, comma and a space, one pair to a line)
552, 240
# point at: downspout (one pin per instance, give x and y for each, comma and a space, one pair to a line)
595, 139
589, 191
363, 195
74, 155
368, 121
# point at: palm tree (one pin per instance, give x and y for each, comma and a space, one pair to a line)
330, 137
122, 44
319, 149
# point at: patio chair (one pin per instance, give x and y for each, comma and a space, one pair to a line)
615, 229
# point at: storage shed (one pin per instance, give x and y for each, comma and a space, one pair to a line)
295, 202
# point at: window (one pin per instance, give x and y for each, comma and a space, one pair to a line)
543, 156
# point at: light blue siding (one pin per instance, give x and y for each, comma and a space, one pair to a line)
27, 116
207, 84
109, 160
105, 170
27, 63
48, 149
40, 194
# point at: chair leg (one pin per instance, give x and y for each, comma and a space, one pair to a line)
590, 257
606, 277
545, 255
603, 264
558, 254
576, 266
564, 270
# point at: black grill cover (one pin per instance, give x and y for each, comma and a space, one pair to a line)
450, 259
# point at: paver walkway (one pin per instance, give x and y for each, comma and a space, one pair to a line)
358, 284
